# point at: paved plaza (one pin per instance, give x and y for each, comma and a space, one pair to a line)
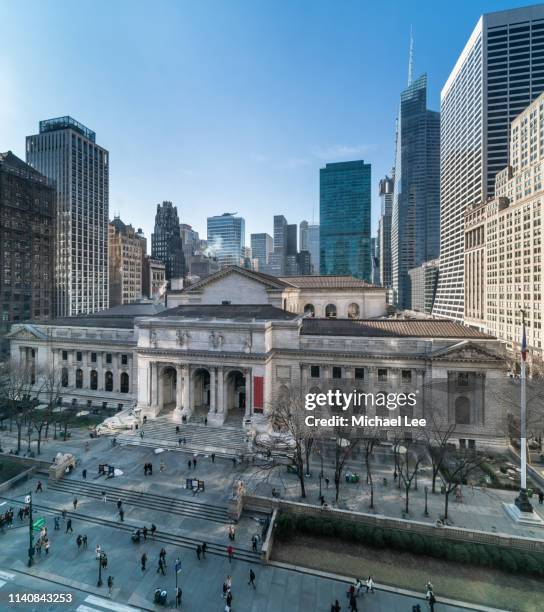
183, 521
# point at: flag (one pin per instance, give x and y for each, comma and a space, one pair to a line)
523, 345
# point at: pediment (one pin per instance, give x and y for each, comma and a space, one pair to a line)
25, 331
269, 282
466, 351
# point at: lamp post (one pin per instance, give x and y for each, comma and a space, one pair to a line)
426, 493
30, 535
100, 559
320, 455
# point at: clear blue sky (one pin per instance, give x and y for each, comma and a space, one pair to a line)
225, 106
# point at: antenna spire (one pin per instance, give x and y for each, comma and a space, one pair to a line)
411, 59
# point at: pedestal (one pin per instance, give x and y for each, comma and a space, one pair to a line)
523, 518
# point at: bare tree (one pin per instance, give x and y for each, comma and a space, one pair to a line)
369, 440
409, 460
437, 441
51, 391
345, 443
457, 466
16, 394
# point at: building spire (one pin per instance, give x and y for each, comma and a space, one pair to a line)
411, 59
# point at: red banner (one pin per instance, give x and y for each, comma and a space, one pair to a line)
258, 393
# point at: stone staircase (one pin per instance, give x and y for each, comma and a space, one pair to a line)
161, 432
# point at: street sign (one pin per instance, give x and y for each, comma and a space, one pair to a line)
178, 566
27, 499
38, 524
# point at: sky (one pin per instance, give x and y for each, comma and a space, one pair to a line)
225, 106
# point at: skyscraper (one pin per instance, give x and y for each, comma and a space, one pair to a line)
226, 237
27, 237
261, 247
309, 241
166, 243
344, 233
415, 219
125, 256
384, 228
66, 151
499, 72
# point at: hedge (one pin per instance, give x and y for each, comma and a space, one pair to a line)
483, 555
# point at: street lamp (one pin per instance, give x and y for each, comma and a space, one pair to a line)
426, 493
30, 535
320, 455
100, 559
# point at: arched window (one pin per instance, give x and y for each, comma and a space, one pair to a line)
309, 310
124, 382
330, 311
353, 311
108, 380
64, 377
94, 380
79, 378
462, 411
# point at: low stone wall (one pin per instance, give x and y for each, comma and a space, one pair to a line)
266, 549
25, 475
41, 466
269, 504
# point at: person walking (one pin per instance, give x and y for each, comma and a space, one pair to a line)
162, 555
353, 604
327, 481
178, 597
143, 561
104, 562
540, 497
69, 526
194, 462
189, 464
179, 441
336, 606
97, 551
144, 532
78, 542
74, 503
432, 601
84, 474
204, 549
57, 523
153, 530
110, 585
142, 434
254, 542
47, 544
213, 457
230, 552
39, 487
121, 515
119, 504
104, 497
370, 584
150, 469
198, 551
162, 466
229, 598
252, 579
84, 542
160, 568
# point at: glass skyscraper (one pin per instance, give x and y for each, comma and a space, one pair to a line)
415, 219
499, 72
384, 228
226, 237
344, 231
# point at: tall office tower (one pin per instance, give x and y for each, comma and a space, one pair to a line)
226, 237
125, 263
304, 263
66, 151
423, 281
344, 232
276, 261
375, 258
386, 189
190, 240
261, 248
166, 244
153, 278
291, 239
499, 72
415, 217
303, 235
313, 247
27, 237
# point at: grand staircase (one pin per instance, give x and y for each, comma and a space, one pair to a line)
161, 432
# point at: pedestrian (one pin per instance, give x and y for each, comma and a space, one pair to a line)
162, 466
153, 530
104, 497
230, 552
75, 503
194, 463
110, 584
104, 561
358, 587
233, 462
121, 515
160, 568
179, 441
189, 464
84, 474
38, 548
39, 487
143, 561
47, 544
21, 513
78, 542
336, 606
145, 469
540, 497
229, 598
69, 526
141, 434
252, 578
351, 591
225, 588
63, 515
395, 475
144, 531
84, 542
97, 551
327, 482
353, 604
205, 420
432, 601
119, 504
213, 457
370, 584
204, 549
178, 597
57, 523
198, 551
150, 468
254, 542
177, 428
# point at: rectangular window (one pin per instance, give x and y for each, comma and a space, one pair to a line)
406, 376
64, 355
336, 372
462, 379
314, 371
108, 357
382, 375
359, 373
124, 359
93, 357
79, 355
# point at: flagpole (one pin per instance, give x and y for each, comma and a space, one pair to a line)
522, 501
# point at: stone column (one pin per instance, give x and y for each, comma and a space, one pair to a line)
179, 387
160, 389
186, 392
100, 359
220, 390
248, 377
213, 401
116, 373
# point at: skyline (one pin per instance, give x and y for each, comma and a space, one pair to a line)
229, 145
